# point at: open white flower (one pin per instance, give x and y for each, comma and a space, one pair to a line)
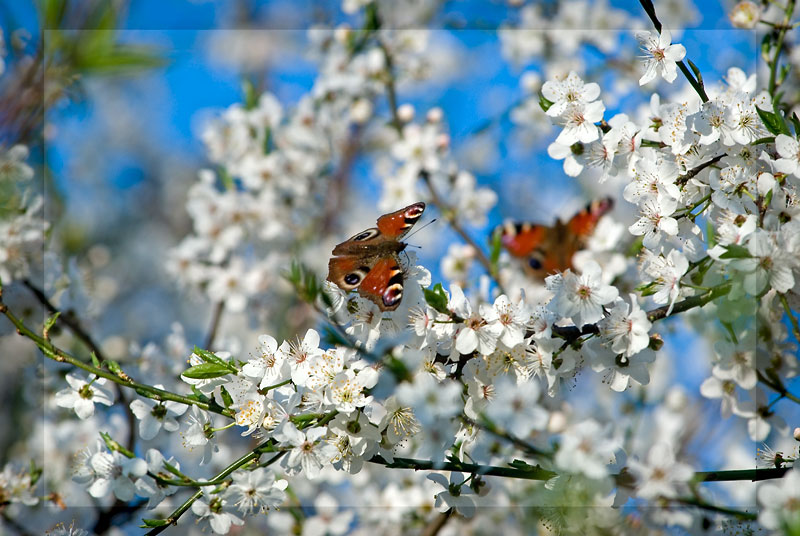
661, 476
82, 394
581, 297
627, 327
255, 491
309, 453
455, 495
660, 56
655, 219
570, 90
478, 332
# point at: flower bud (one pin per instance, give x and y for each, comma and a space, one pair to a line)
656, 342
405, 112
531, 82
435, 115
796, 434
745, 15
361, 111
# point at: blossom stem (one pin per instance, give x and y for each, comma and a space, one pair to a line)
532, 473
51, 351
792, 318
503, 434
250, 456
690, 303
216, 317
777, 387
74, 324
692, 501
537, 473
438, 523
683, 179
773, 65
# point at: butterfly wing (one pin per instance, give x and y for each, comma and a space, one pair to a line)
583, 224
384, 283
390, 228
395, 225
547, 250
379, 279
368, 262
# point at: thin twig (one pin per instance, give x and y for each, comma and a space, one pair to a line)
773, 65
437, 524
648, 7
71, 321
792, 318
447, 212
51, 351
67, 318
216, 316
507, 436
449, 215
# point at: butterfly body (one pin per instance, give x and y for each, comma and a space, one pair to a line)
547, 250
368, 261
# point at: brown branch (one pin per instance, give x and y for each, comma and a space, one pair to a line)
67, 318
216, 316
683, 179
449, 215
437, 524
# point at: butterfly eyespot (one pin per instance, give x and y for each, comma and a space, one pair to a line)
393, 295
352, 279
365, 235
534, 263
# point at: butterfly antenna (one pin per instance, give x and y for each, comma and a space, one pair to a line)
415, 231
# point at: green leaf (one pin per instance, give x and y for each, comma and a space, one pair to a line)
226, 397
494, 253
151, 523
398, 369
636, 247
796, 124
736, 251
95, 361
436, 298
35, 472
304, 281
773, 122
205, 371
544, 103
249, 93
767, 139
53, 11
696, 71
51, 320
711, 234
647, 290
114, 367
210, 357
372, 21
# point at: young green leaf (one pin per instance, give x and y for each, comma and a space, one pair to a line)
205, 371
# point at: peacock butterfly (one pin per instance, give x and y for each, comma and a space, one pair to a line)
547, 250
368, 261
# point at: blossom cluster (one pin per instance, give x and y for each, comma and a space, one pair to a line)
480, 377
